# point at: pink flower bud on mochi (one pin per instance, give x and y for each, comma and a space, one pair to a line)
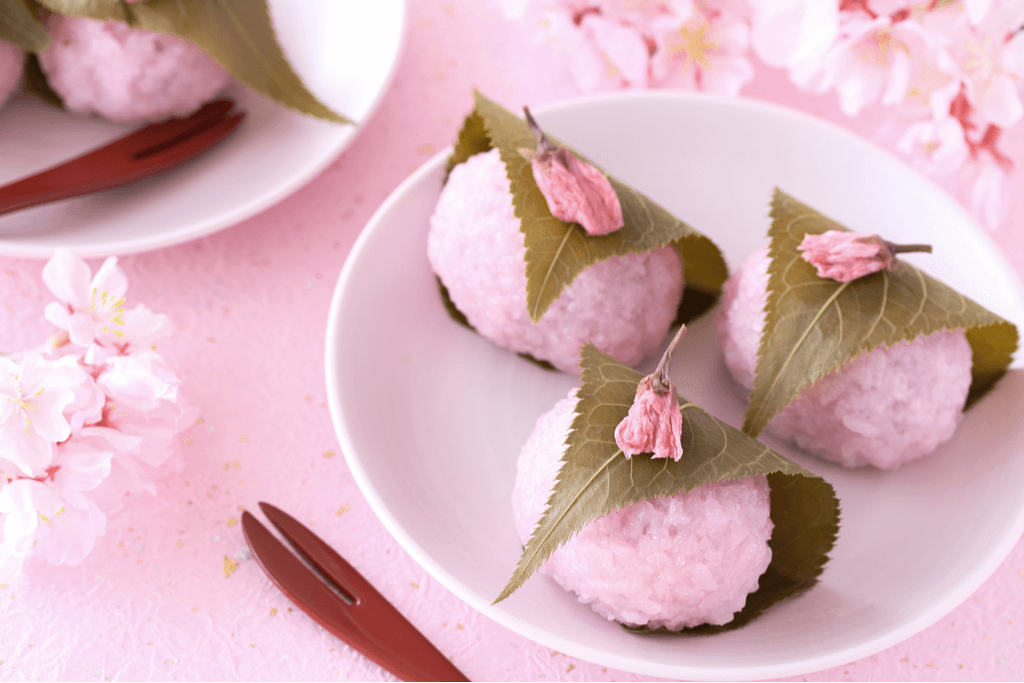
847, 256
575, 191
654, 423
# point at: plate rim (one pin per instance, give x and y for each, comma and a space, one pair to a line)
938, 610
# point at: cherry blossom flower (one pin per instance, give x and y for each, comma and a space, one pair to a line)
140, 380
25, 504
91, 417
790, 33
91, 309
87, 407
147, 445
704, 52
846, 256
53, 515
989, 191
33, 395
610, 50
654, 423
575, 191
873, 59
940, 146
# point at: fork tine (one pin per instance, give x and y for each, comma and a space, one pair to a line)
412, 656
332, 565
304, 589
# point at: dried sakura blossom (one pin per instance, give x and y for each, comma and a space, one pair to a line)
654, 423
575, 191
846, 256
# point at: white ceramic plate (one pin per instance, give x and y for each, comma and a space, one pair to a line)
346, 52
431, 417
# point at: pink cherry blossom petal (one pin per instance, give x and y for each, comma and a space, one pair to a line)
70, 535
118, 440
47, 415
654, 425
81, 467
1000, 103
143, 327
110, 281
87, 408
787, 32
31, 453
68, 277
21, 503
844, 256
622, 44
577, 192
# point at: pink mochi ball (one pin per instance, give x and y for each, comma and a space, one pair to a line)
671, 562
883, 408
12, 60
127, 74
623, 305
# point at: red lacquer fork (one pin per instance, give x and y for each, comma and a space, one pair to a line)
149, 150
338, 598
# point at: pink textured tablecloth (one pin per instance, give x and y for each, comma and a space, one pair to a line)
155, 600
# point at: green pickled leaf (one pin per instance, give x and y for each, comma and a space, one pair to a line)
472, 140
238, 34
117, 10
20, 26
557, 252
35, 83
449, 305
596, 479
815, 325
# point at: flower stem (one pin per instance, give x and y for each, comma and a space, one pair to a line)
907, 248
660, 381
543, 143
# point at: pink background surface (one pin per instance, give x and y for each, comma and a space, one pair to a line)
154, 601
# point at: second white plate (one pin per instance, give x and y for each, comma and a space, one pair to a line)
346, 52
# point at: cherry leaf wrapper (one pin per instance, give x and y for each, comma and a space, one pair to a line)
595, 479
814, 325
557, 252
238, 34
20, 26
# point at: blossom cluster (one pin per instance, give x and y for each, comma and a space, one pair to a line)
85, 419
952, 68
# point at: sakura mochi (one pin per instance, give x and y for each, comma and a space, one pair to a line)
12, 59
127, 74
673, 562
623, 305
883, 408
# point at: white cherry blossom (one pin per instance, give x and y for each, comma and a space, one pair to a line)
139, 380
790, 33
91, 308
33, 395
873, 60
707, 52
51, 514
